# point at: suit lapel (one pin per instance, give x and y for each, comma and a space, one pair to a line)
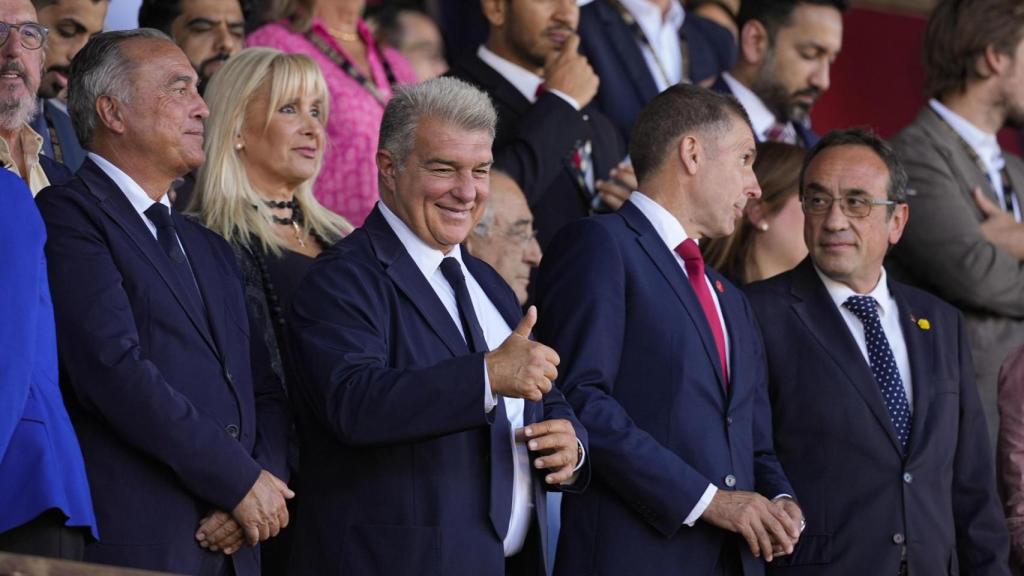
208, 278
113, 201
818, 313
663, 260
952, 150
497, 291
619, 36
408, 279
919, 348
497, 86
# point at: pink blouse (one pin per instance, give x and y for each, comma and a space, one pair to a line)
348, 181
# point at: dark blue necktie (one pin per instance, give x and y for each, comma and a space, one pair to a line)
883, 365
501, 432
167, 236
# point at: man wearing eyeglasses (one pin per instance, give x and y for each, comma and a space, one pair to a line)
877, 418
21, 65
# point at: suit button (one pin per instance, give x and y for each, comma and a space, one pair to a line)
908, 477
898, 538
232, 430
728, 420
228, 377
730, 481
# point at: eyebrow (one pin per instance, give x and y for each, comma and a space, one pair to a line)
79, 27
210, 22
180, 78
815, 187
455, 164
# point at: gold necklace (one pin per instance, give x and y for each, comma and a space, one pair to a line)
343, 36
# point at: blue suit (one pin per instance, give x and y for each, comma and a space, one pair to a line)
40, 461
806, 137
626, 82
641, 370
172, 417
863, 501
395, 439
72, 154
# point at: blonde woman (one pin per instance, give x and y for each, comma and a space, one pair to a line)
264, 147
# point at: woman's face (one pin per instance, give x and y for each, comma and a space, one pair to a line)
785, 233
283, 154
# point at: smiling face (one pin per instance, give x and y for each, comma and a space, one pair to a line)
284, 153
164, 118
20, 68
440, 190
795, 71
851, 250
71, 24
529, 30
726, 181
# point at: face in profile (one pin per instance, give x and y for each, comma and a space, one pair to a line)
440, 189
71, 24
795, 71
727, 179
509, 244
209, 32
282, 147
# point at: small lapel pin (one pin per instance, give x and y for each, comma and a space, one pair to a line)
719, 287
924, 324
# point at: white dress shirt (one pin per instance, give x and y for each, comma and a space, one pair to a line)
985, 145
672, 233
495, 330
761, 118
662, 32
135, 194
889, 315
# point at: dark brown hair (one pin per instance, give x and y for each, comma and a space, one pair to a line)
958, 33
778, 173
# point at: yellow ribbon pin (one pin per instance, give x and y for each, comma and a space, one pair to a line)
924, 324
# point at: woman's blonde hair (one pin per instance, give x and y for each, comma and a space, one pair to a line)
225, 199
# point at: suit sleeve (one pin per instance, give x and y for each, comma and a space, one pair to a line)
583, 308
21, 252
104, 364
1010, 450
981, 536
540, 144
344, 326
943, 245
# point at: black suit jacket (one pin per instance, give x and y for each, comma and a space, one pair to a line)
863, 501
535, 143
173, 418
626, 82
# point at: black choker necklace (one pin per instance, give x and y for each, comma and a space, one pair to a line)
282, 204
295, 220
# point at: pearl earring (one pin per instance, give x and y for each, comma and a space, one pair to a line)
763, 227
239, 146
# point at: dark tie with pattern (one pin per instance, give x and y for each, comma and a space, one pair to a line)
167, 236
501, 432
883, 365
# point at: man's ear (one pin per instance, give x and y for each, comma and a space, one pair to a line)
111, 114
387, 168
754, 42
691, 154
992, 62
496, 11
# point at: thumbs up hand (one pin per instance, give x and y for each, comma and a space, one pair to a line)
521, 368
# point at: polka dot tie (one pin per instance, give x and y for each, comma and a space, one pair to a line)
883, 365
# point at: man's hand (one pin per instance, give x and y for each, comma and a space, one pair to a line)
999, 226
219, 531
761, 522
555, 441
568, 71
520, 368
620, 184
792, 509
263, 512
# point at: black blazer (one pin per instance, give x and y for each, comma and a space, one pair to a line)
535, 143
862, 500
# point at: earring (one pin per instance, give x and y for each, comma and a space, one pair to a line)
763, 227
239, 146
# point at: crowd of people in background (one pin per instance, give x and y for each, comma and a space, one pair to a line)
516, 287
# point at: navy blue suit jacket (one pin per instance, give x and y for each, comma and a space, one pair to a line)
165, 401
805, 136
626, 82
641, 370
862, 500
395, 440
72, 152
534, 145
40, 461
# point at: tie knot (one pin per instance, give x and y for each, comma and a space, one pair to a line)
159, 215
689, 251
541, 89
452, 272
863, 307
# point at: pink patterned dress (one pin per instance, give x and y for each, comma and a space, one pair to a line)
348, 181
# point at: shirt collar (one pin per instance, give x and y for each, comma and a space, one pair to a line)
760, 117
31, 144
668, 227
135, 194
984, 144
840, 292
525, 82
427, 258
648, 16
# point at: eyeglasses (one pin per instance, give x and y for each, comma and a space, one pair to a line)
521, 236
33, 35
852, 206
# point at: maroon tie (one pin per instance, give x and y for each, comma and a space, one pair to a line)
694, 263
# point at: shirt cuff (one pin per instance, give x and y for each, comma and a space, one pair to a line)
490, 398
568, 99
702, 505
784, 495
